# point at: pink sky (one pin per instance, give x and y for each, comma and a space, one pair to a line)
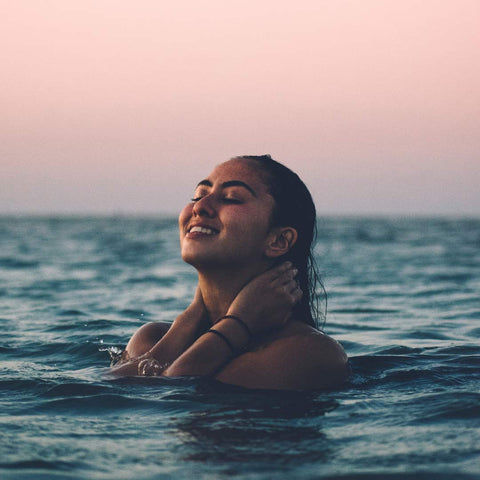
122, 106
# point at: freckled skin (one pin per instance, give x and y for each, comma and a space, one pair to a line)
242, 227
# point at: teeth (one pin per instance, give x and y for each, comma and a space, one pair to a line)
207, 231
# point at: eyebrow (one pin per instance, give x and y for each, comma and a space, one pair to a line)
231, 183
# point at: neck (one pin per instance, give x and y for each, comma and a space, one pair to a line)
219, 287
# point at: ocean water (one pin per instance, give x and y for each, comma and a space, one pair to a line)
404, 300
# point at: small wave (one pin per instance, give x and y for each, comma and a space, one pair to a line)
357, 327
108, 324
458, 278
364, 310
468, 315
7, 349
153, 280
100, 402
57, 285
37, 464
22, 385
32, 293
370, 364
474, 332
432, 474
448, 406
128, 312
429, 334
467, 361
101, 323
78, 351
65, 326
17, 263
399, 350
378, 235
430, 292
422, 368
71, 313
460, 350
76, 389
76, 323
353, 348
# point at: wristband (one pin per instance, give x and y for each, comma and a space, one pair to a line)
225, 339
240, 322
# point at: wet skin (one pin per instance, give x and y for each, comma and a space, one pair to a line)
226, 234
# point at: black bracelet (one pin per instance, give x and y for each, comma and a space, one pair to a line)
241, 322
224, 338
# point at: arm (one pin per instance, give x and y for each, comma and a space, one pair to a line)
210, 352
285, 355
264, 304
296, 358
152, 360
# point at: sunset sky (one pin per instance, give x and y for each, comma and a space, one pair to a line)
116, 106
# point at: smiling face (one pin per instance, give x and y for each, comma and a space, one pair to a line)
228, 221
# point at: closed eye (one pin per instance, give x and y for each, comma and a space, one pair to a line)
224, 200
231, 200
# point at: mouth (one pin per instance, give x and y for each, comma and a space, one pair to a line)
202, 230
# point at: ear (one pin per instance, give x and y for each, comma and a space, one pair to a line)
280, 240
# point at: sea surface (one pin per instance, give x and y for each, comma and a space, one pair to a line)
403, 299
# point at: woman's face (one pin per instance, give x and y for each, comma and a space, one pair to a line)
228, 220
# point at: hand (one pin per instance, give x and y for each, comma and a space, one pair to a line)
266, 302
144, 365
129, 367
151, 361
149, 367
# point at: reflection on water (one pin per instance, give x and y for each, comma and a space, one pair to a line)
268, 428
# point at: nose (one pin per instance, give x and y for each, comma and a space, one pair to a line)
205, 207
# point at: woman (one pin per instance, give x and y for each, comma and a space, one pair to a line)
248, 232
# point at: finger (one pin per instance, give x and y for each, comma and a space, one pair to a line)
289, 286
297, 295
279, 270
149, 367
286, 277
278, 275
292, 288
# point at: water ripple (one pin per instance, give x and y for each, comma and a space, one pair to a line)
403, 300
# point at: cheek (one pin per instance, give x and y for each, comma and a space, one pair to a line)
253, 225
185, 214
183, 219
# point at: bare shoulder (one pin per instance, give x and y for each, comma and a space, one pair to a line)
302, 339
298, 357
145, 338
312, 350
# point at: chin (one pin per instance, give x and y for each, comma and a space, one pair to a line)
197, 258
206, 259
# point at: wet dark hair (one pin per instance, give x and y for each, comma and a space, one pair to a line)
294, 207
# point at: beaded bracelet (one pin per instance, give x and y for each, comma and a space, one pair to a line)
241, 322
225, 339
